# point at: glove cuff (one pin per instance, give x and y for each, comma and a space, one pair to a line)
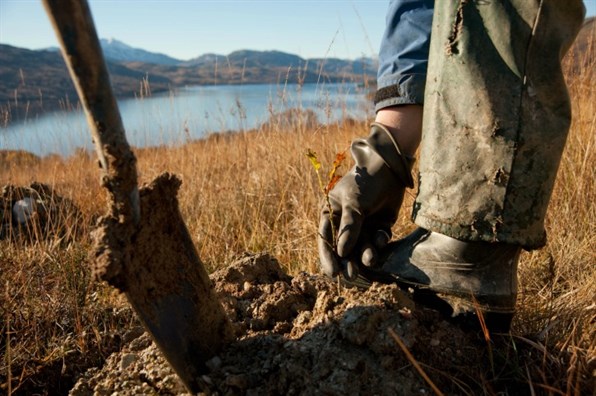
381, 141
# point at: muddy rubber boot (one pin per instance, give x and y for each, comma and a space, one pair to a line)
471, 276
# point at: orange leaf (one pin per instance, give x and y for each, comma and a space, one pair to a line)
332, 183
339, 158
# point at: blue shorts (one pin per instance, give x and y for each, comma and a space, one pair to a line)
403, 57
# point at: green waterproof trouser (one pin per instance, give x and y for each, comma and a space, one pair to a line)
496, 118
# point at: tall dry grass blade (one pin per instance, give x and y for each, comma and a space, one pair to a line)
485, 333
7, 353
530, 385
414, 362
460, 384
550, 389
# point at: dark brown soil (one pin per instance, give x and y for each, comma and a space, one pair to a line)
309, 335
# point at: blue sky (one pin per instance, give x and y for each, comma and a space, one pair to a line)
188, 28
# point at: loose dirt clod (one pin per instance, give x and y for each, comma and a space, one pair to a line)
298, 335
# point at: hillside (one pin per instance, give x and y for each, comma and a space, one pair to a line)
118, 51
34, 81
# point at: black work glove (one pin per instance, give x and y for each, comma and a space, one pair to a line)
364, 204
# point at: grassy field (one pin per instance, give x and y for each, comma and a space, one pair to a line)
256, 191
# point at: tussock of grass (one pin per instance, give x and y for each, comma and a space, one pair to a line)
255, 191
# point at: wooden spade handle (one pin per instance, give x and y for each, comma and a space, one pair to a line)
152, 258
81, 50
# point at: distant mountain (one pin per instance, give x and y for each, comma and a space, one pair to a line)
32, 82
203, 59
265, 59
278, 59
360, 66
247, 58
118, 51
250, 58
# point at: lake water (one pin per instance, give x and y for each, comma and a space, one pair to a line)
188, 113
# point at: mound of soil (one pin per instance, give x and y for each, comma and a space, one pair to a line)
304, 335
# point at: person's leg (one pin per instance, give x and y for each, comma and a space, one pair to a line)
496, 118
495, 122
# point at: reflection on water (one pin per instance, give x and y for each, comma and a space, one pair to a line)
189, 113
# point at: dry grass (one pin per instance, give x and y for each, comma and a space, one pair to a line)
250, 191
256, 191
558, 283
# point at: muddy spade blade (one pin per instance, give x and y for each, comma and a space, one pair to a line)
142, 246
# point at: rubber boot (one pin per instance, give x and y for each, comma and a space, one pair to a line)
475, 277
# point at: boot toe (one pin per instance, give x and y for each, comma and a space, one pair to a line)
480, 275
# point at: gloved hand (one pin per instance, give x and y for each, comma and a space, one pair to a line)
364, 204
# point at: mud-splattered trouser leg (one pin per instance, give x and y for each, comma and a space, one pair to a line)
496, 117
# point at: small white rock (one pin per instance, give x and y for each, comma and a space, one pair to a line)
23, 209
